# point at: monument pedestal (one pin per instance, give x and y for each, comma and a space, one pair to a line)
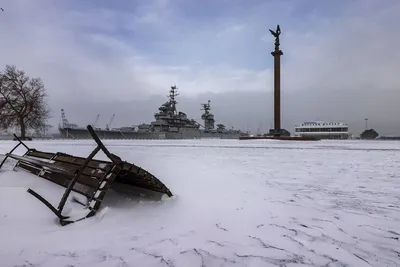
279, 132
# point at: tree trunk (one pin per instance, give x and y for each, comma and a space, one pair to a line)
22, 127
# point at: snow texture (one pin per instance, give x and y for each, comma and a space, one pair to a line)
237, 203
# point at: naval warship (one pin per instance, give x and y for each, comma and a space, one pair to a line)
169, 124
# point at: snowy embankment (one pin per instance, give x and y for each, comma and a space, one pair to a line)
236, 203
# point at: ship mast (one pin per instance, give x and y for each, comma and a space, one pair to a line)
206, 108
207, 117
172, 94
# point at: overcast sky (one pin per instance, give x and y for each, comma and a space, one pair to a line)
340, 63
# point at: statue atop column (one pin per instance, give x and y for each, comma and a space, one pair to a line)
276, 35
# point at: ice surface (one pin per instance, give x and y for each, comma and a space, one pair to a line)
236, 203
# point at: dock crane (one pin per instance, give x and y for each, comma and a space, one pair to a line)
94, 125
108, 126
64, 121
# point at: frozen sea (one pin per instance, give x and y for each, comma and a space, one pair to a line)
236, 203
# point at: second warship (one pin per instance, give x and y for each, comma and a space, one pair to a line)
169, 124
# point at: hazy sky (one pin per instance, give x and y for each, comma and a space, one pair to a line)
340, 63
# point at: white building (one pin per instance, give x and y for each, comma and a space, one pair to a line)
323, 130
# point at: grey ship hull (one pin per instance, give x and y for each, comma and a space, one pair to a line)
71, 133
169, 124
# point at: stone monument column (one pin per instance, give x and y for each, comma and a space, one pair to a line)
277, 53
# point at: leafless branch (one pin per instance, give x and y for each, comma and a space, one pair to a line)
22, 100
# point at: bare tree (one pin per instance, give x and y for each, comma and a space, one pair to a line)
22, 101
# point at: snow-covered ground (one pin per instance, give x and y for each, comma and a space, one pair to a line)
236, 203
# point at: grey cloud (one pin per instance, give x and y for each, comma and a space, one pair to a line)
341, 69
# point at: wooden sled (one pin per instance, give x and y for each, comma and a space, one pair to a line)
87, 176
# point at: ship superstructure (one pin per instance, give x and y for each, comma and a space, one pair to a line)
169, 124
169, 119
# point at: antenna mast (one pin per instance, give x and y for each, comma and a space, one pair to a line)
207, 117
206, 108
172, 94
